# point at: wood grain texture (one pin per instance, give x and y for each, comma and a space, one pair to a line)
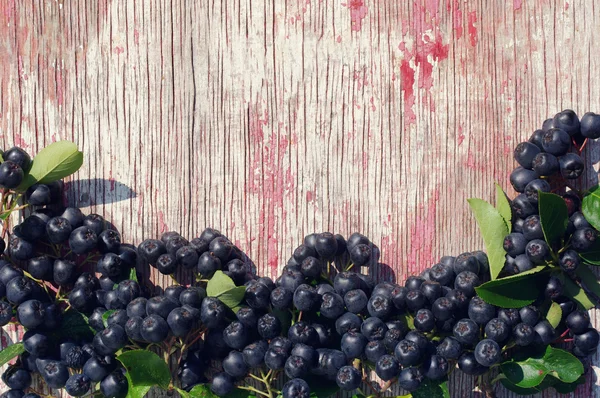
272, 119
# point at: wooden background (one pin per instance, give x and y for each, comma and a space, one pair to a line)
272, 119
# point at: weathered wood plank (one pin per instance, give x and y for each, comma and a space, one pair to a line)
273, 119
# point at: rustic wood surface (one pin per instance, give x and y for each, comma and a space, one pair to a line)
272, 119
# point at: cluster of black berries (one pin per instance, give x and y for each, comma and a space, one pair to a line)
543, 160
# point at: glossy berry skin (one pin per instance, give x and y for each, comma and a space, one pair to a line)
583, 238
20, 248
590, 125
269, 326
326, 245
523, 263
222, 384
348, 378
16, 377
375, 350
150, 249
332, 305
275, 358
346, 281
571, 166
295, 388
193, 296
114, 385
531, 190
424, 320
6, 313
466, 262
379, 306
523, 334
55, 374
443, 274
166, 264
36, 343
78, 385
254, 354
373, 328
160, 305
360, 254
436, 367
554, 288
537, 251
387, 367
76, 357
480, 311
578, 321
346, 322
11, 174
522, 207
40, 267
487, 352
466, 331
449, 348
568, 121
545, 333
83, 240
545, 164
569, 261
306, 298
586, 341
515, 244
415, 300
556, 141
469, 365
353, 344
97, 368
258, 296
466, 282
524, 154
212, 313
408, 353
283, 342
530, 315
356, 301
58, 230
180, 321
154, 329
497, 330
311, 267
234, 365
109, 240
296, 366
301, 332
19, 156
410, 379
520, 177
532, 229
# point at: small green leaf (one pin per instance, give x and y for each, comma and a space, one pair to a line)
592, 256
218, 284
514, 291
590, 206
145, 370
56, 161
133, 274
432, 389
531, 371
232, 297
554, 216
10, 352
567, 388
75, 326
554, 315
493, 229
589, 280
408, 320
503, 206
575, 293
105, 317
201, 391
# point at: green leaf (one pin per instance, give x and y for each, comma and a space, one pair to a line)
432, 389
493, 229
514, 291
201, 391
56, 161
592, 256
408, 320
575, 293
590, 206
567, 388
589, 280
133, 274
145, 370
285, 318
223, 287
526, 391
531, 371
76, 326
503, 206
554, 216
10, 352
105, 317
321, 388
233, 297
554, 315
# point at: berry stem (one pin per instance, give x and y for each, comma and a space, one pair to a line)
254, 390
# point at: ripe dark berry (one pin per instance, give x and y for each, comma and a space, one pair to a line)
578, 321
571, 166
431, 290
535, 186
360, 254
208, 264
78, 385
295, 388
569, 260
258, 296
302, 252
109, 240
193, 296
275, 358
379, 306
537, 251
415, 300
268, 326
584, 238
332, 305
150, 249
443, 274
536, 137
524, 154
545, 164
523, 263
114, 385
212, 312
523, 334
11, 174
408, 353
234, 365
410, 379
39, 195
83, 240
6, 313
469, 365
545, 333
568, 121
532, 229
530, 315
449, 348
520, 177
301, 332
326, 245
20, 248
466, 262
222, 384
480, 311
97, 368
55, 374
373, 328
348, 378
466, 331
459, 299
254, 354
375, 350
353, 344
281, 298
58, 230
346, 322
387, 367
311, 267
590, 125
424, 320
586, 341
306, 298
522, 207
554, 288
356, 301
466, 282
487, 352
154, 329
556, 141
413, 282
436, 367
296, 366
497, 330
16, 377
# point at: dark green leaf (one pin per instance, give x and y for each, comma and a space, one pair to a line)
75, 326
106, 315
567, 388
56, 161
10, 352
493, 229
503, 206
358, 396
590, 206
432, 389
514, 291
219, 284
203, 391
233, 297
145, 369
576, 293
285, 318
589, 281
554, 315
320, 387
531, 371
592, 256
525, 391
554, 216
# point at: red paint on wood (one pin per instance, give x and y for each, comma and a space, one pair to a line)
517, 4
407, 77
358, 11
472, 17
423, 234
